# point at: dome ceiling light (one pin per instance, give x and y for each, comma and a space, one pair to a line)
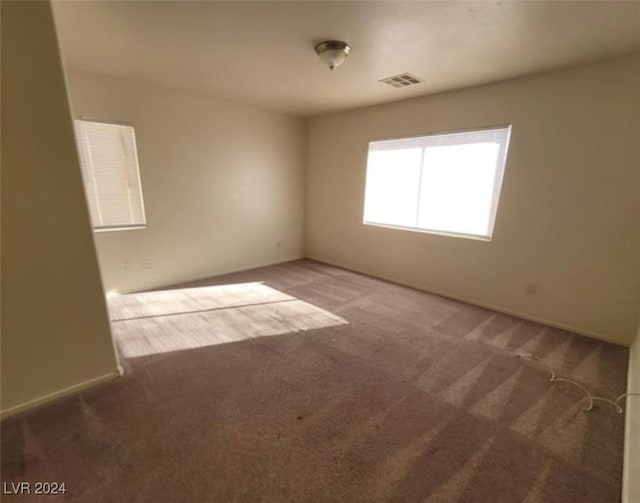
333, 52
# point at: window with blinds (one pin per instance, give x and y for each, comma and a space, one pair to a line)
109, 162
441, 183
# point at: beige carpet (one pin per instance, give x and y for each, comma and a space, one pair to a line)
416, 399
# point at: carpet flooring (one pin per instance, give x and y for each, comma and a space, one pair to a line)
414, 398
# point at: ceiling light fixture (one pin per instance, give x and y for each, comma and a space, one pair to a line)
333, 52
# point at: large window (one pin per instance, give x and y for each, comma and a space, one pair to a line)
441, 183
109, 162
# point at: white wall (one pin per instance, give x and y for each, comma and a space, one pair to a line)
568, 218
55, 331
223, 183
631, 481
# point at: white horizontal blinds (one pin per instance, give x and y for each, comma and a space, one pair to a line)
111, 175
454, 188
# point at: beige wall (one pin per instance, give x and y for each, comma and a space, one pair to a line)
223, 184
631, 482
569, 209
55, 332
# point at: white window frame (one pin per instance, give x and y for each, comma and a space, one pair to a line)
497, 188
120, 227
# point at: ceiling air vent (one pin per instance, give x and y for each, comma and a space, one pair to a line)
401, 80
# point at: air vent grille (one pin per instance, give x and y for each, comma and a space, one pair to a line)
401, 80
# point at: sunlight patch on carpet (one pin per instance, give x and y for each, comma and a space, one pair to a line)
172, 320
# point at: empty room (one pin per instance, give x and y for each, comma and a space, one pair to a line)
320, 251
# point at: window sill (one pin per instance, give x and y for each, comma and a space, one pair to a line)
119, 228
474, 237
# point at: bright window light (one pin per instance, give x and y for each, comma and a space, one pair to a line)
111, 176
442, 183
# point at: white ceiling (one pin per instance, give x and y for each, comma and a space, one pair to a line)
262, 52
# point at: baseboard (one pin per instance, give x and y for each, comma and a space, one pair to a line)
261, 264
475, 302
76, 388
